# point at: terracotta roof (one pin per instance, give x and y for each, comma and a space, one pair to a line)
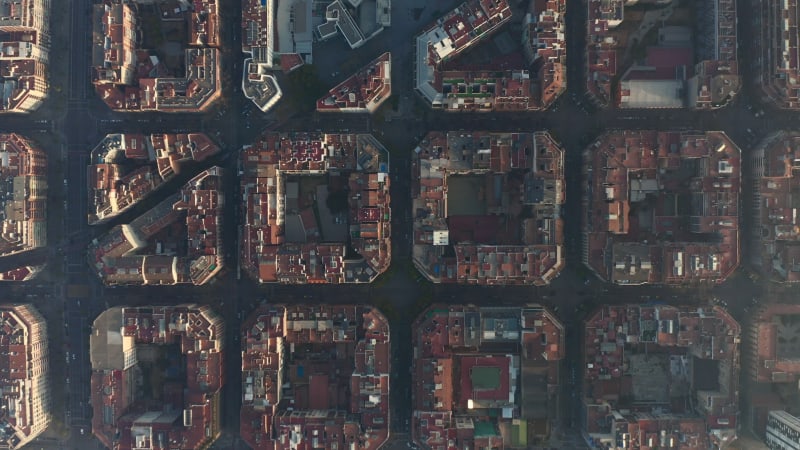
672, 174
23, 212
128, 78
619, 376
318, 353
145, 251
491, 241
301, 240
468, 367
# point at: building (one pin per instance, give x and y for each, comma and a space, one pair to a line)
308, 197
23, 201
661, 207
259, 41
126, 168
777, 63
24, 55
485, 377
352, 19
177, 241
657, 376
783, 431
776, 235
487, 207
701, 73
545, 47
24, 273
364, 91
457, 31
315, 377
157, 373
776, 357
24, 384
129, 76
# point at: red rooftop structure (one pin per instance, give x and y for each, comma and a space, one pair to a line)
364, 91
315, 377
23, 207
308, 197
127, 168
157, 372
485, 377
662, 207
24, 372
128, 76
487, 207
660, 377
776, 230
177, 241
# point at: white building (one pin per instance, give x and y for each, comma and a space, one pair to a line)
783, 431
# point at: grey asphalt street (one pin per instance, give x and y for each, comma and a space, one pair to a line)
85, 119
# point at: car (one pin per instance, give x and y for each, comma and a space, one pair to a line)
334, 74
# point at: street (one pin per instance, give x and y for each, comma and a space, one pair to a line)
70, 296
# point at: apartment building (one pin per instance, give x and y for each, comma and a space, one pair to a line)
24, 384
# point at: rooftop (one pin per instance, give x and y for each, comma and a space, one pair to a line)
315, 376
662, 207
484, 375
316, 208
780, 71
544, 45
126, 168
708, 80
127, 76
777, 187
23, 196
487, 207
157, 372
458, 30
364, 91
655, 372
24, 384
177, 241
25, 34
776, 330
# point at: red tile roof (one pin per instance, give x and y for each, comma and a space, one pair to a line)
615, 340
23, 168
186, 413
128, 78
146, 251
674, 174
364, 91
24, 383
337, 349
492, 243
468, 365
283, 242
